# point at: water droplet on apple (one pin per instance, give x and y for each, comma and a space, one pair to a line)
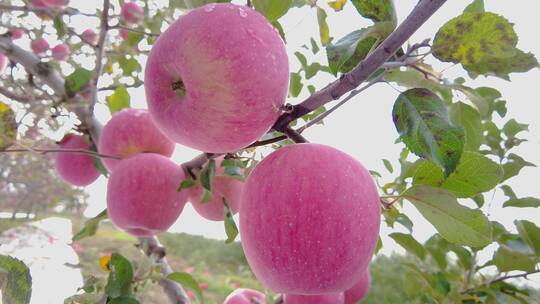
209, 8
242, 12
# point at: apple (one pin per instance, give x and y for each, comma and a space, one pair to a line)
309, 220
132, 131
61, 52
76, 168
217, 77
223, 186
132, 13
245, 296
3, 62
55, 4
332, 298
89, 36
142, 196
40, 45
359, 290
17, 33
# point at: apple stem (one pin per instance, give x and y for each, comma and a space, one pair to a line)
179, 88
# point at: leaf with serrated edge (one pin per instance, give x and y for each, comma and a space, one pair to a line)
16, 281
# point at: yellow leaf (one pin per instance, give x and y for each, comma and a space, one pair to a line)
8, 126
104, 262
110, 68
337, 5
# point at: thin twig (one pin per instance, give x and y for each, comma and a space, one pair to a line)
57, 150
135, 30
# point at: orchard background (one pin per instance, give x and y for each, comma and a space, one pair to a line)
467, 219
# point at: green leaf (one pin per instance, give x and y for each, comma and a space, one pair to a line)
512, 128
314, 46
477, 6
272, 9
206, 196
98, 164
296, 85
312, 69
134, 38
59, 26
186, 280
337, 5
530, 233
207, 174
408, 242
8, 126
90, 226
15, 281
513, 166
427, 173
469, 118
119, 99
129, 65
120, 276
376, 10
230, 226
280, 30
456, 223
525, 202
474, 174
507, 259
124, 300
182, 4
520, 62
324, 31
77, 80
186, 183
411, 78
348, 51
424, 126
473, 37
388, 165
438, 248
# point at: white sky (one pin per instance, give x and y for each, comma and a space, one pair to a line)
363, 127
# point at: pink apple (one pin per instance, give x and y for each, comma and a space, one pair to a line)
309, 220
332, 298
89, 36
223, 186
40, 45
3, 62
132, 13
245, 296
123, 33
142, 196
132, 131
61, 52
76, 168
17, 33
360, 290
223, 92
54, 4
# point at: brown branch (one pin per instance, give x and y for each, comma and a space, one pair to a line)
57, 150
514, 276
99, 53
294, 135
153, 249
135, 30
347, 82
12, 95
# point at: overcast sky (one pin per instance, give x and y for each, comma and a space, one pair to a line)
363, 127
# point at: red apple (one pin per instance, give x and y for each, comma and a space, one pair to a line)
142, 196
309, 220
359, 291
132, 13
76, 168
61, 52
332, 298
3, 62
17, 33
55, 4
216, 78
223, 186
245, 296
89, 36
40, 45
132, 131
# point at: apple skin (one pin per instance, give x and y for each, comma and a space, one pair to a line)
76, 168
17, 33
142, 196
245, 296
61, 52
309, 220
234, 83
359, 290
132, 12
222, 186
3, 62
332, 298
123, 33
48, 3
89, 36
40, 45
132, 131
